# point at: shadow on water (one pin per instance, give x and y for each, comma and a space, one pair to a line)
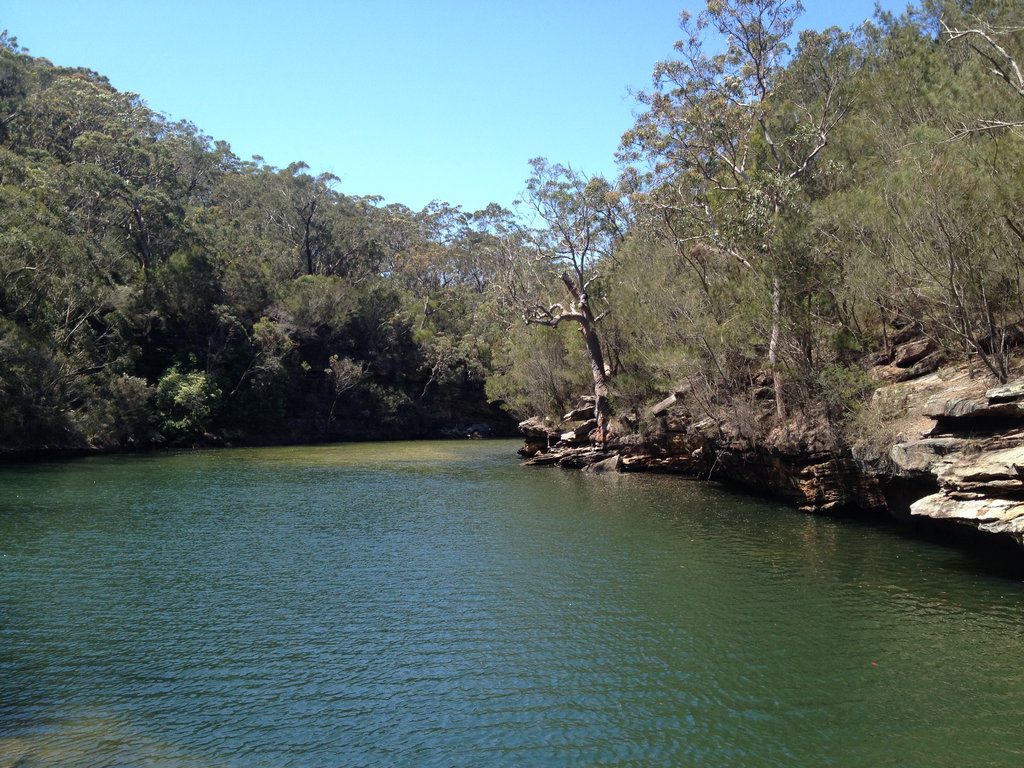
983, 553
970, 550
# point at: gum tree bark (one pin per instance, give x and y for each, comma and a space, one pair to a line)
581, 314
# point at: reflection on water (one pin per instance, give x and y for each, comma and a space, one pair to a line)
104, 741
437, 604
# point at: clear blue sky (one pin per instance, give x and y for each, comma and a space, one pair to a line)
414, 101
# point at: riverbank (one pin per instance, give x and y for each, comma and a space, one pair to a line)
475, 423
943, 445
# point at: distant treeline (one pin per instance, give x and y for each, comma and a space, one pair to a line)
780, 216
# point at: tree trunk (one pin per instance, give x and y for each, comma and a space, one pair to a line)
773, 350
307, 243
602, 410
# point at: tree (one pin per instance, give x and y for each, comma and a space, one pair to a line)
186, 403
144, 265
993, 44
15, 68
932, 222
585, 219
732, 138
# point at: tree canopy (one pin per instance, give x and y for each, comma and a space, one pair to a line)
783, 217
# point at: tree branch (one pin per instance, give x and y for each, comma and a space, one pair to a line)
1004, 65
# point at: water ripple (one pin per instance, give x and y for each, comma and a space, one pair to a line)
436, 604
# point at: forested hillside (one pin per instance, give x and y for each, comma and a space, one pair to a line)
152, 284
781, 217
785, 218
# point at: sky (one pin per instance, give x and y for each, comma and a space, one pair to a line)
413, 101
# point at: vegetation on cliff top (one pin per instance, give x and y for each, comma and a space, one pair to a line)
780, 214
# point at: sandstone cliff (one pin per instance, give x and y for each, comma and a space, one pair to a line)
949, 445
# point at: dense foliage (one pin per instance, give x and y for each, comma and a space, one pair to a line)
151, 283
780, 214
814, 204
791, 215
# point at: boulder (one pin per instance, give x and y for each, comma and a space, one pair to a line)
675, 423
611, 464
539, 436
881, 357
913, 351
582, 413
578, 434
906, 332
536, 427
924, 366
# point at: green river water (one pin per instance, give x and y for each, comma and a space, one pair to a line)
437, 604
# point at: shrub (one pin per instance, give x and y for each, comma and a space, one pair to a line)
185, 403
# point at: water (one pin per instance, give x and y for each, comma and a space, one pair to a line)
436, 604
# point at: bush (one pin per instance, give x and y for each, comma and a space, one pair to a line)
844, 390
185, 403
120, 412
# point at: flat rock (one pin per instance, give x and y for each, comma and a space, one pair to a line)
993, 515
1006, 393
543, 459
992, 472
942, 407
984, 489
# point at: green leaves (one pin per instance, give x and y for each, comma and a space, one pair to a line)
186, 403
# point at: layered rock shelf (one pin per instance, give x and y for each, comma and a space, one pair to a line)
975, 454
958, 454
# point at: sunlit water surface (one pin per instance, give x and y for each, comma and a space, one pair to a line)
436, 604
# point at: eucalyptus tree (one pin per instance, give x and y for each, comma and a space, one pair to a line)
16, 68
730, 138
584, 219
